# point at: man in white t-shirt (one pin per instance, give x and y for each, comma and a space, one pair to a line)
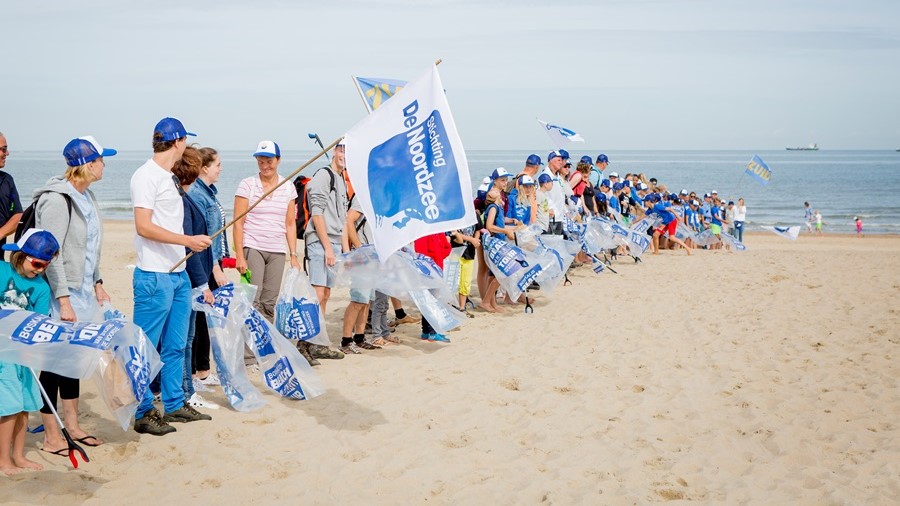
162, 304
555, 162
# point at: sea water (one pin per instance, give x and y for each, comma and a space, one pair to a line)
840, 184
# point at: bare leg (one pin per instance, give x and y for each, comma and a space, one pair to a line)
53, 439
361, 320
323, 293
682, 243
7, 427
70, 417
18, 447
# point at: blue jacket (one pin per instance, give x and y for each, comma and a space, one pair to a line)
204, 196
199, 265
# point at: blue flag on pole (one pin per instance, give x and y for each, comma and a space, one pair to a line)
409, 168
375, 90
759, 170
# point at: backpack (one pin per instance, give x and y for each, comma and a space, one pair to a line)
29, 217
302, 204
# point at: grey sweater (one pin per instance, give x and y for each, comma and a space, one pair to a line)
52, 215
332, 205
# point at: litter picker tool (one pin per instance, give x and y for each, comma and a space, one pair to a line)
73, 446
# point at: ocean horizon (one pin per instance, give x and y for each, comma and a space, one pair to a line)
841, 184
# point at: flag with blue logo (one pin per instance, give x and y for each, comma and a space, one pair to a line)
560, 136
759, 170
409, 168
376, 90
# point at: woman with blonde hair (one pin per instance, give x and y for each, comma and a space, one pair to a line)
66, 208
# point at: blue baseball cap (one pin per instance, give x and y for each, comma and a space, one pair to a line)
500, 172
533, 160
171, 129
564, 153
601, 197
526, 180
84, 150
605, 183
268, 149
617, 186
586, 159
554, 154
36, 243
544, 178
601, 158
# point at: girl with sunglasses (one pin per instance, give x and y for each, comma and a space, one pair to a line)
24, 288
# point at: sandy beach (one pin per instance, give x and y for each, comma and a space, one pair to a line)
768, 377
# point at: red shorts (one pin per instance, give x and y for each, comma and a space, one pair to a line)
670, 228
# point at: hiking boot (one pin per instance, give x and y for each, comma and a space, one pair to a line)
319, 351
303, 348
152, 424
185, 413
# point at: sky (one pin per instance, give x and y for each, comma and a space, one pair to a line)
629, 74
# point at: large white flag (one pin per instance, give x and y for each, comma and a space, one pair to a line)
408, 167
561, 137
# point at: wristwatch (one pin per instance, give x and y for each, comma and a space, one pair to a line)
294, 254
98, 282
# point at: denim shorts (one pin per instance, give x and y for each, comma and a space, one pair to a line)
362, 296
319, 274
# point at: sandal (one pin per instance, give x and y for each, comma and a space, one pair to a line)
84, 441
392, 339
58, 452
378, 341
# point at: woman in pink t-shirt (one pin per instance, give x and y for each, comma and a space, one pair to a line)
267, 233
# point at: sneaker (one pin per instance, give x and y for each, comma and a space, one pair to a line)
368, 346
185, 413
211, 381
199, 402
303, 348
441, 338
157, 397
152, 424
319, 351
199, 386
351, 349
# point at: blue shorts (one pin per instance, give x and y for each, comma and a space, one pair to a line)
362, 296
18, 390
319, 274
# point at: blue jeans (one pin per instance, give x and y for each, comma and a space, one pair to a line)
162, 306
739, 230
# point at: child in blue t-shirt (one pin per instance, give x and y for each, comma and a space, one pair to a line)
24, 288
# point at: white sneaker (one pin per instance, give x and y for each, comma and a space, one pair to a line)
199, 402
199, 386
211, 381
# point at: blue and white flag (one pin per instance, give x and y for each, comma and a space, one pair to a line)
409, 168
786, 232
560, 136
376, 90
759, 170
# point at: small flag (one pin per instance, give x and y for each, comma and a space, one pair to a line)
560, 136
375, 90
409, 168
786, 232
758, 169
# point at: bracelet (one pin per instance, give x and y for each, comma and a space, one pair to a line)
294, 254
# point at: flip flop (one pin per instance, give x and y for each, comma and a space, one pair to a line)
58, 452
85, 438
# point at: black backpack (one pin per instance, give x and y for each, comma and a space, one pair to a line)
29, 218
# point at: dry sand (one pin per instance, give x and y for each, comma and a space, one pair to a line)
767, 377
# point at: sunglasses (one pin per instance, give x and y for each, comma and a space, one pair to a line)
37, 264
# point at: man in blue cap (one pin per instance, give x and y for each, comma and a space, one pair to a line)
597, 170
162, 299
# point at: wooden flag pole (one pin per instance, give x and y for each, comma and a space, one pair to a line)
264, 195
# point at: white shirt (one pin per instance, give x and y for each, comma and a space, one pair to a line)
556, 196
740, 213
152, 187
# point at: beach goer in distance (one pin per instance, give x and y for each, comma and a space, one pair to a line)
19, 393
162, 299
729, 217
740, 216
204, 193
668, 226
716, 221
859, 226
67, 208
808, 217
819, 223
199, 265
10, 206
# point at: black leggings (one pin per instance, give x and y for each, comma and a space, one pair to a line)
426, 326
68, 388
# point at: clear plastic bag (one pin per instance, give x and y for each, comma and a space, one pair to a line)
283, 369
225, 322
298, 315
513, 267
